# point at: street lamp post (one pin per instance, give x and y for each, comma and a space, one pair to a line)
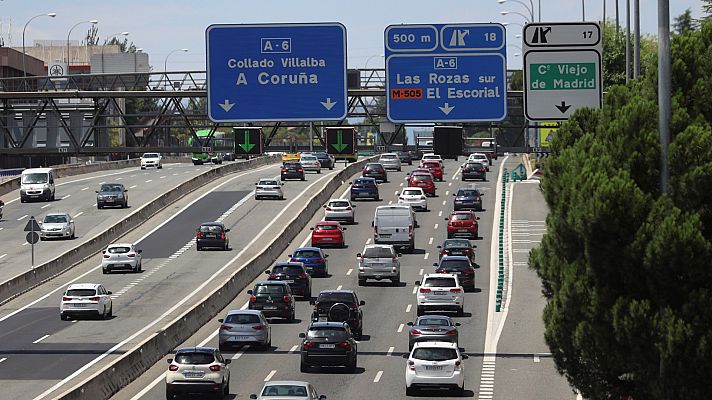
24, 70
517, 13
93, 22
165, 62
529, 7
107, 41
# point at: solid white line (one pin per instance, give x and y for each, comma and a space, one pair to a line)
378, 377
270, 375
440, 213
390, 202
536, 358
294, 348
401, 184
40, 339
80, 213
430, 241
407, 309
67, 196
368, 241
415, 289
390, 351
349, 271
23, 217
339, 287
400, 328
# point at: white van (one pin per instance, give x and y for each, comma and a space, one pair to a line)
394, 225
36, 184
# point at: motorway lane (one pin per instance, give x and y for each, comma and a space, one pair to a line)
380, 372
76, 196
143, 302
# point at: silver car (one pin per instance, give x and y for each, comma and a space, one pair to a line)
57, 226
390, 161
432, 328
268, 187
310, 162
292, 390
121, 256
339, 210
241, 327
378, 261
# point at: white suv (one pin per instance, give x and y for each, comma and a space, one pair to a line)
432, 157
414, 197
339, 210
86, 299
440, 292
435, 365
198, 370
151, 160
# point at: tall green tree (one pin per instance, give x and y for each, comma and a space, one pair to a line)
626, 269
684, 22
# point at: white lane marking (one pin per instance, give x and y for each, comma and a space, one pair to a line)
447, 193
401, 184
67, 196
149, 181
102, 182
440, 213
421, 272
430, 241
293, 349
407, 309
536, 358
395, 193
3, 256
86, 188
368, 241
400, 328
23, 217
25, 244
162, 177
449, 184
390, 351
578, 396
444, 202
270, 375
415, 289
118, 179
390, 202
78, 214
349, 271
40, 339
378, 377
436, 227
175, 174
1, 229
426, 256
3, 359
133, 176
339, 287
45, 206
131, 187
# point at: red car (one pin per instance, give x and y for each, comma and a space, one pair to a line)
435, 169
329, 233
423, 181
462, 223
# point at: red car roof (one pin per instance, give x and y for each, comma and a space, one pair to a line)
328, 223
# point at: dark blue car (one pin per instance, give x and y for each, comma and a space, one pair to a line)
467, 199
364, 188
313, 259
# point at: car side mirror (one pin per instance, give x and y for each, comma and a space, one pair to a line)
312, 302
139, 251
435, 264
221, 320
253, 396
228, 361
397, 194
170, 360
302, 335
249, 291
256, 183
311, 229
282, 183
440, 247
289, 255
326, 256
399, 255
267, 272
358, 255
324, 206
109, 292
371, 223
71, 221
445, 219
126, 190
478, 217
454, 194
227, 230
96, 191
482, 194
417, 283
465, 356
362, 303
345, 228
351, 183
409, 324
457, 324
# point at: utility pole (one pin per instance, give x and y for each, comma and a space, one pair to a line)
636, 47
617, 20
627, 42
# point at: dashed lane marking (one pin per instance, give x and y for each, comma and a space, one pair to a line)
444, 202
131, 187
400, 328
3, 256
86, 188
293, 349
23, 217
430, 241
436, 227
415, 289
421, 272
67, 196
349, 271
339, 287
149, 181
45, 206
270, 375
426, 256
407, 309
368, 241
440, 213
40, 339
390, 351
3, 359
378, 377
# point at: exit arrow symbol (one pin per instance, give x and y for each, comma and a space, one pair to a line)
340, 145
446, 109
247, 146
328, 104
563, 107
226, 105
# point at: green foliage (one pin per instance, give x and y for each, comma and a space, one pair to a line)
613, 62
625, 269
516, 82
684, 22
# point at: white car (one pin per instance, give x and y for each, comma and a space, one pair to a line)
86, 299
292, 390
198, 370
378, 261
339, 210
310, 162
480, 158
151, 160
414, 197
269, 187
432, 157
390, 161
442, 292
435, 365
56, 226
121, 256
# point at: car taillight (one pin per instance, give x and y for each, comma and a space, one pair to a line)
452, 332
477, 198
457, 364
415, 332
272, 276
253, 298
411, 365
482, 170
225, 327
469, 272
222, 235
287, 298
107, 256
215, 368
440, 271
349, 209
65, 298
444, 251
300, 170
284, 169
199, 235
425, 290
375, 231
94, 298
307, 345
345, 345
328, 208
455, 290
131, 254
302, 276
410, 230
173, 367
258, 327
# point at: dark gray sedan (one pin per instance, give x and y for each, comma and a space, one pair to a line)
432, 328
112, 194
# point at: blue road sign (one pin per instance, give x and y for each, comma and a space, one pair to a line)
276, 72
446, 72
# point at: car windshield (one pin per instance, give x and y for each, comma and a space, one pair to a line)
150, 155
458, 243
434, 354
377, 252
55, 219
388, 156
284, 390
339, 203
211, 228
194, 358
326, 227
461, 217
110, 188
292, 271
439, 282
242, 319
341, 297
268, 182
412, 192
432, 321
118, 250
81, 292
306, 254
333, 333
34, 178
468, 193
269, 289
454, 264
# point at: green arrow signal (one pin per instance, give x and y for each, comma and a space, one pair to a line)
247, 146
340, 145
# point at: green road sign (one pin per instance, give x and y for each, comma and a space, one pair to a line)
248, 140
340, 141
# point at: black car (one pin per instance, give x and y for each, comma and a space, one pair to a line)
405, 157
212, 234
458, 247
474, 170
325, 159
112, 194
375, 171
328, 344
295, 274
460, 266
292, 170
273, 298
340, 306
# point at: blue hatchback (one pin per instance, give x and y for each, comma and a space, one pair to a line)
313, 259
467, 199
364, 188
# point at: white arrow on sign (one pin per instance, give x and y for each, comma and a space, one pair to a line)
226, 105
446, 109
328, 104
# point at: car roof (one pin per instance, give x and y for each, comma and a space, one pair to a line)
236, 312
293, 383
35, 170
337, 291
323, 223
446, 345
56, 213
438, 275
288, 264
413, 188
196, 350
308, 248
373, 246
460, 258
330, 324
82, 286
214, 223
276, 283
120, 245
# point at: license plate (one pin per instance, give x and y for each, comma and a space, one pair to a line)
239, 338
288, 281
79, 305
439, 293
433, 367
270, 307
462, 230
193, 374
385, 235
327, 346
327, 239
210, 236
109, 200
456, 253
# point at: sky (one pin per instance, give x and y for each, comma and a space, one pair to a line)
159, 26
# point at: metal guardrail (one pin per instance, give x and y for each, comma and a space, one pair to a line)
11, 172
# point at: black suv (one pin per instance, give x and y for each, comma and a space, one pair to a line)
294, 274
339, 306
273, 298
376, 171
292, 170
325, 159
328, 344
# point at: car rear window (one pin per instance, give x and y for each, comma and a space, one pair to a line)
431, 165
268, 182
194, 358
422, 177
118, 250
461, 217
55, 219
339, 204
439, 282
434, 354
340, 297
473, 165
389, 156
269, 289
333, 333
309, 158
374, 166
364, 182
326, 227
211, 228
292, 271
292, 164
468, 192
111, 188
81, 292
377, 252
242, 319
306, 254
432, 321
454, 264
412, 192
284, 390
458, 243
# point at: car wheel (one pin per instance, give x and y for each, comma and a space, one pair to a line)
104, 271
449, 236
396, 280
226, 389
362, 282
73, 235
304, 179
98, 207
160, 166
303, 367
291, 316
226, 246
460, 312
410, 391
462, 179
198, 248
268, 345
460, 390
63, 317
111, 311
419, 311
318, 171
103, 313
143, 167
352, 365
359, 334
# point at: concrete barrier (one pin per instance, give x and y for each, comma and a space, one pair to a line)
32, 278
109, 380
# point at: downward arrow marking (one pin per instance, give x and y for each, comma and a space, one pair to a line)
563, 107
328, 104
226, 105
446, 109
